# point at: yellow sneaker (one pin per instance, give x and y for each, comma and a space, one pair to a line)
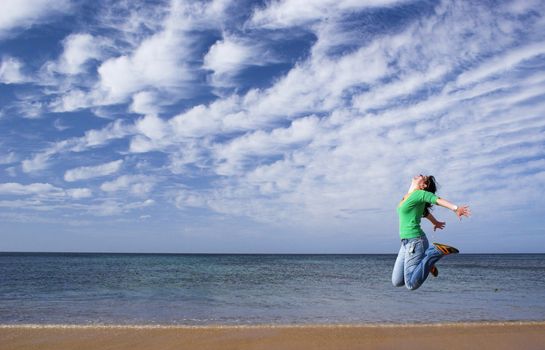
445, 249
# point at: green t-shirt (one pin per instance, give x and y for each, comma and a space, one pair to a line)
410, 213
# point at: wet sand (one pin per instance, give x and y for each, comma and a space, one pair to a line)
497, 336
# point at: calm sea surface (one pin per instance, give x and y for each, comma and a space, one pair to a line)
254, 289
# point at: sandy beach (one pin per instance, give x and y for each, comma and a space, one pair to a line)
511, 335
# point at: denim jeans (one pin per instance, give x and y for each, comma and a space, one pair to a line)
413, 263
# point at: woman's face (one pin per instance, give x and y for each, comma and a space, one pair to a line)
420, 181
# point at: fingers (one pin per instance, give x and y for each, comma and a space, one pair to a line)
440, 226
463, 211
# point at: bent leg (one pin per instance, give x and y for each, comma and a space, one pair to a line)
398, 279
422, 269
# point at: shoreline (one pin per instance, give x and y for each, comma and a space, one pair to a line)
271, 325
462, 335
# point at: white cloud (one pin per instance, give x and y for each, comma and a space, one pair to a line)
11, 71
107, 208
38, 162
15, 14
152, 132
520, 7
58, 124
502, 63
152, 127
158, 62
41, 194
233, 154
112, 207
93, 138
318, 84
165, 61
136, 184
8, 158
190, 199
99, 137
287, 13
71, 101
83, 173
12, 188
192, 153
203, 120
314, 86
138, 205
78, 50
78, 193
405, 85
227, 57
145, 102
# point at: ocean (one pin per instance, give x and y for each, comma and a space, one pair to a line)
242, 289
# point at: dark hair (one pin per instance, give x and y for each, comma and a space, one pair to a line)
431, 186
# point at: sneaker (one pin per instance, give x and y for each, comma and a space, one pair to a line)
434, 271
445, 249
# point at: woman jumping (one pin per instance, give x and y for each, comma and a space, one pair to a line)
416, 259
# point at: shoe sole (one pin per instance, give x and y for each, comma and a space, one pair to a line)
446, 249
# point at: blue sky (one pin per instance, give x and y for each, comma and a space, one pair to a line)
271, 126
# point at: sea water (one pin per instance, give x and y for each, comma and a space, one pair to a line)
203, 289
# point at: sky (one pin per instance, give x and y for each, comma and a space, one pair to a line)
281, 126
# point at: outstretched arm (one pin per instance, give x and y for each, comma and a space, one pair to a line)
460, 211
436, 223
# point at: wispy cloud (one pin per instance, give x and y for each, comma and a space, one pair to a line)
228, 57
287, 13
501, 64
8, 158
19, 189
111, 207
89, 172
161, 61
22, 14
78, 50
93, 138
42, 191
78, 193
139, 185
11, 71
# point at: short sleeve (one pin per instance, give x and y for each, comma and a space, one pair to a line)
429, 197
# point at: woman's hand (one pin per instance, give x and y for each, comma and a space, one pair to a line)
438, 225
460, 211
463, 210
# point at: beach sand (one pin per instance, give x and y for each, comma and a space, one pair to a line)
497, 336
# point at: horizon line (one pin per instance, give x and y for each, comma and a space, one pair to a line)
232, 253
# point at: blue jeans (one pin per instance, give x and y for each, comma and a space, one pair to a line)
413, 263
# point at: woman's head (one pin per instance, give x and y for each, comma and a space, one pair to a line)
425, 182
